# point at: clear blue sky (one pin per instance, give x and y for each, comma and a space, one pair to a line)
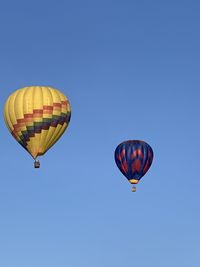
131, 71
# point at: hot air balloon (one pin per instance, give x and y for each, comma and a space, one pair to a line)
133, 158
37, 116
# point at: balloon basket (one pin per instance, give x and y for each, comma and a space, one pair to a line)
36, 164
133, 189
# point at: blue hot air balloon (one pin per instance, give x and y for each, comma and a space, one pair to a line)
133, 158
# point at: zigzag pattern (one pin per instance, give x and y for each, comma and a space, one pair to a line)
36, 127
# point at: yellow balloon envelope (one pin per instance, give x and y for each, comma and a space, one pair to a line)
37, 116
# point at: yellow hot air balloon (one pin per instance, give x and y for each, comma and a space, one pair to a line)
37, 116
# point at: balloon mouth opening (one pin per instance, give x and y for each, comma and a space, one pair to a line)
133, 181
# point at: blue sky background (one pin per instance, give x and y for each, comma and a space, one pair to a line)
131, 71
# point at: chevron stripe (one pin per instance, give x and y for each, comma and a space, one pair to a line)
33, 126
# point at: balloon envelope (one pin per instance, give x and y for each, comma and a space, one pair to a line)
133, 158
37, 116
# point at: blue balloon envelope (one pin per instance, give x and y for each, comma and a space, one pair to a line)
133, 158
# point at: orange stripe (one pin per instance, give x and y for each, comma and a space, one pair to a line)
37, 111
56, 104
47, 107
29, 119
47, 112
37, 115
28, 115
20, 120
17, 127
